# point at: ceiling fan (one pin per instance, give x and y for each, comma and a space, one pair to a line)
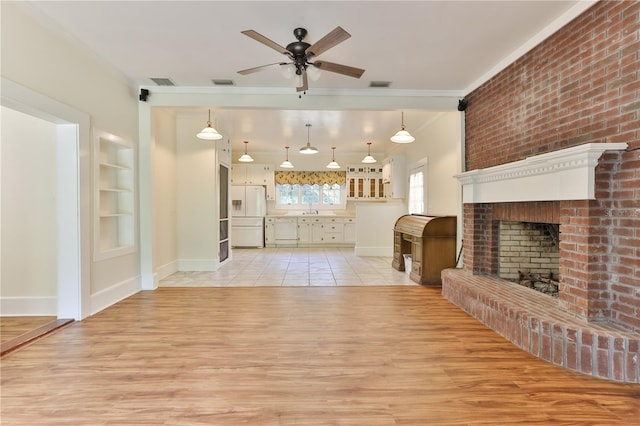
300, 53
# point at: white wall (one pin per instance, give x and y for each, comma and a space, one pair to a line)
198, 216
165, 206
29, 219
37, 57
440, 143
374, 227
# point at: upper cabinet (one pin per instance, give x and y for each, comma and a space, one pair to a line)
223, 146
114, 199
254, 174
394, 171
364, 182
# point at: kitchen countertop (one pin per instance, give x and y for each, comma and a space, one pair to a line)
323, 215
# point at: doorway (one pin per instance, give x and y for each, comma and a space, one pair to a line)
69, 248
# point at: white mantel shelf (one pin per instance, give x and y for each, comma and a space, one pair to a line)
566, 174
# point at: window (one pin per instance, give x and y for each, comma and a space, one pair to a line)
301, 196
416, 192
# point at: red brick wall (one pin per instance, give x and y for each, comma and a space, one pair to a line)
581, 85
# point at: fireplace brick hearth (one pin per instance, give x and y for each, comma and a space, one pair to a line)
554, 138
539, 325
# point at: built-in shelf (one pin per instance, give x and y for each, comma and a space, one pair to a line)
114, 206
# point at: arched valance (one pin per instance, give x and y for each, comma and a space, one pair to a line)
311, 178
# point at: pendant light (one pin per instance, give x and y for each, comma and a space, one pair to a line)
308, 149
402, 136
286, 164
333, 164
245, 158
209, 133
369, 159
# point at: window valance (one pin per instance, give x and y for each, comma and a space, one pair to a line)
311, 178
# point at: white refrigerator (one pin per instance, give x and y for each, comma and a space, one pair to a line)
248, 208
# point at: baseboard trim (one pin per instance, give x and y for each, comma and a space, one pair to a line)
29, 306
112, 295
165, 270
197, 265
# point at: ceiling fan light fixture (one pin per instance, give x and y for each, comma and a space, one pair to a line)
314, 73
286, 164
245, 158
333, 164
402, 136
308, 148
368, 159
209, 133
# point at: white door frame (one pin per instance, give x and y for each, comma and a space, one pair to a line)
74, 204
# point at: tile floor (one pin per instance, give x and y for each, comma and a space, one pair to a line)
294, 267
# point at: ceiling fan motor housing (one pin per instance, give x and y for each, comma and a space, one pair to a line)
298, 50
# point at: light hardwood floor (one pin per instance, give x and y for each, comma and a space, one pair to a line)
388, 355
12, 327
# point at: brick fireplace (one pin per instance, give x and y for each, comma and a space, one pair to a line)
554, 138
585, 328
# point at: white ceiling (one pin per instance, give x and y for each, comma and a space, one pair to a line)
444, 48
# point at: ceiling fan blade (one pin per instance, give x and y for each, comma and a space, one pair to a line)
260, 68
340, 69
264, 40
338, 35
305, 83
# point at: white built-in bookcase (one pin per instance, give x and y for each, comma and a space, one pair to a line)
114, 207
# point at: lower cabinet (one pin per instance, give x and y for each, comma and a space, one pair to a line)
270, 232
350, 231
312, 231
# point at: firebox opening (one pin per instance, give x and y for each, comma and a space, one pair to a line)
529, 255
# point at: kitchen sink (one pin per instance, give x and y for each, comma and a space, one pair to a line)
311, 213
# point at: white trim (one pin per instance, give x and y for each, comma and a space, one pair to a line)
74, 211
198, 265
114, 294
566, 174
562, 20
374, 251
165, 270
28, 306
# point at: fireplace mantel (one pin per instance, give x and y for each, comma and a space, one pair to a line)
566, 174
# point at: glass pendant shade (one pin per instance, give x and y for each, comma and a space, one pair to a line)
369, 158
209, 133
245, 158
333, 164
286, 164
402, 136
308, 149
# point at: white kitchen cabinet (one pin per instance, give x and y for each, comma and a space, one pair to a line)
394, 176
114, 201
223, 147
304, 231
310, 230
365, 183
333, 231
251, 174
350, 230
255, 174
270, 232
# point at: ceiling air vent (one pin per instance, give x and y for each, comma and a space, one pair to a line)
162, 81
379, 84
223, 82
